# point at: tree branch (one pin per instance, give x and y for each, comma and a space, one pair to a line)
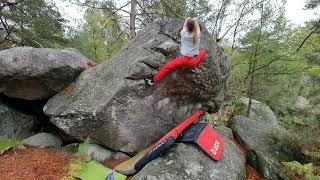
315, 28
240, 17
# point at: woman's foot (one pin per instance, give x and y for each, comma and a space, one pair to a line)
149, 81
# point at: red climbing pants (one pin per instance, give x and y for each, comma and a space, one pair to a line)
180, 62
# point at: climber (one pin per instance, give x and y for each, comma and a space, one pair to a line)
190, 56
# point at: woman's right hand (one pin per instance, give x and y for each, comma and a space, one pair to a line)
185, 24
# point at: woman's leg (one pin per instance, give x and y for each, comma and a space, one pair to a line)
171, 66
180, 62
195, 62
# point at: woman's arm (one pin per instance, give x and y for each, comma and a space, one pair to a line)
185, 24
197, 25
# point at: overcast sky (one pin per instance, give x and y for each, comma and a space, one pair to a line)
294, 11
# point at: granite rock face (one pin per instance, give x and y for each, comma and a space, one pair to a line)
14, 124
187, 161
258, 139
38, 73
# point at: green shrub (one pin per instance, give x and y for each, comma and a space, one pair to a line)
308, 171
296, 169
6, 144
78, 163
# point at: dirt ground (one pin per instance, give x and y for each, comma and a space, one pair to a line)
35, 163
252, 174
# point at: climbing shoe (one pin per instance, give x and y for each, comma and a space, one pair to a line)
149, 81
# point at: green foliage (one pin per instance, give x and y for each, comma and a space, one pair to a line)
291, 150
310, 51
211, 119
177, 9
310, 4
281, 74
287, 146
294, 168
200, 9
101, 36
6, 144
34, 23
313, 155
79, 163
82, 149
163, 8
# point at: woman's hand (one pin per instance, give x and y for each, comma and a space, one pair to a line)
196, 22
185, 24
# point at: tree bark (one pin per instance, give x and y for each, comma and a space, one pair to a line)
133, 14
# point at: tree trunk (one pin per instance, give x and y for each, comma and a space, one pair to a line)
253, 63
250, 93
133, 14
220, 115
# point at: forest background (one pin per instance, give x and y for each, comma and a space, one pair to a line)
273, 60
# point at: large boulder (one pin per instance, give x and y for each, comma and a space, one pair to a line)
35, 74
112, 104
259, 139
301, 104
187, 161
14, 124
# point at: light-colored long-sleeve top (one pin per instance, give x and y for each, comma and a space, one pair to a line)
187, 46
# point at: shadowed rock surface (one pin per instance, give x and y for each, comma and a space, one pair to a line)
111, 103
14, 124
38, 73
187, 161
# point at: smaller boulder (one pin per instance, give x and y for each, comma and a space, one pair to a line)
43, 140
98, 153
259, 111
259, 139
302, 103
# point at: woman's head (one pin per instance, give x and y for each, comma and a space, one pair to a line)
191, 25
191, 28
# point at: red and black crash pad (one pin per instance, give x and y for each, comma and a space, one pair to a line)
137, 162
205, 137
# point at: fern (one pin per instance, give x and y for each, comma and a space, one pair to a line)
82, 149
317, 171
313, 155
6, 144
78, 164
305, 170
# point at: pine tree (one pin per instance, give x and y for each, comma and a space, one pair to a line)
30, 23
